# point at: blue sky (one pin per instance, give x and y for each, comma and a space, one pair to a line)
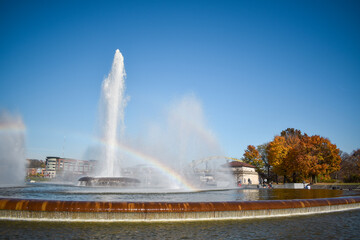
258, 67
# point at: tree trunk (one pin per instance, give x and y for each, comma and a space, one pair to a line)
314, 179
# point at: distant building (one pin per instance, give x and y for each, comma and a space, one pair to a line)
56, 166
50, 165
244, 173
79, 167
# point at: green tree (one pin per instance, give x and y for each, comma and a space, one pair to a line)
262, 149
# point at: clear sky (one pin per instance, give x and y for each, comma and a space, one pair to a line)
258, 67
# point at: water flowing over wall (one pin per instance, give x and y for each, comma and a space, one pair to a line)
167, 211
12, 150
112, 105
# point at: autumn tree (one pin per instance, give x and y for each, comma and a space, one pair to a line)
262, 149
253, 157
34, 163
356, 157
319, 157
283, 151
346, 167
298, 156
291, 133
277, 153
350, 167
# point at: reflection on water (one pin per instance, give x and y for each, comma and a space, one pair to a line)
279, 194
76, 193
337, 225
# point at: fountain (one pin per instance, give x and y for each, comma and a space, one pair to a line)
109, 181
12, 150
112, 105
163, 153
113, 197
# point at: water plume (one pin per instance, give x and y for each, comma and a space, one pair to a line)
112, 105
166, 152
12, 150
183, 137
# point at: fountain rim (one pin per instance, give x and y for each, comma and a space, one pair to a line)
92, 211
147, 207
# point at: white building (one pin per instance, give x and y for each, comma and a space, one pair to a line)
244, 173
60, 167
50, 166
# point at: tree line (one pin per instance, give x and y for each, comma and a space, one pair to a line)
294, 156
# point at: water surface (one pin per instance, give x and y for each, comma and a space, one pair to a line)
77, 193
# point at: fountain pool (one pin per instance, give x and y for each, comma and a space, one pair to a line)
69, 192
55, 202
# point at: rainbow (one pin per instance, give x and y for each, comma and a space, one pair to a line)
166, 170
12, 127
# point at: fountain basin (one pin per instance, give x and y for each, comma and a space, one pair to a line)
43, 210
109, 181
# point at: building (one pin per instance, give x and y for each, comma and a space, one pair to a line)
60, 167
79, 167
244, 173
50, 165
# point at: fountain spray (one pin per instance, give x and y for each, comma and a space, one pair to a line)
112, 105
12, 150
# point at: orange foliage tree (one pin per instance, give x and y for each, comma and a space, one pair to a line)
321, 157
253, 157
298, 156
283, 152
277, 153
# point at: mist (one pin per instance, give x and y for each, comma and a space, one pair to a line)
12, 150
182, 136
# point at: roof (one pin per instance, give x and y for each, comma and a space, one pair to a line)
238, 164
